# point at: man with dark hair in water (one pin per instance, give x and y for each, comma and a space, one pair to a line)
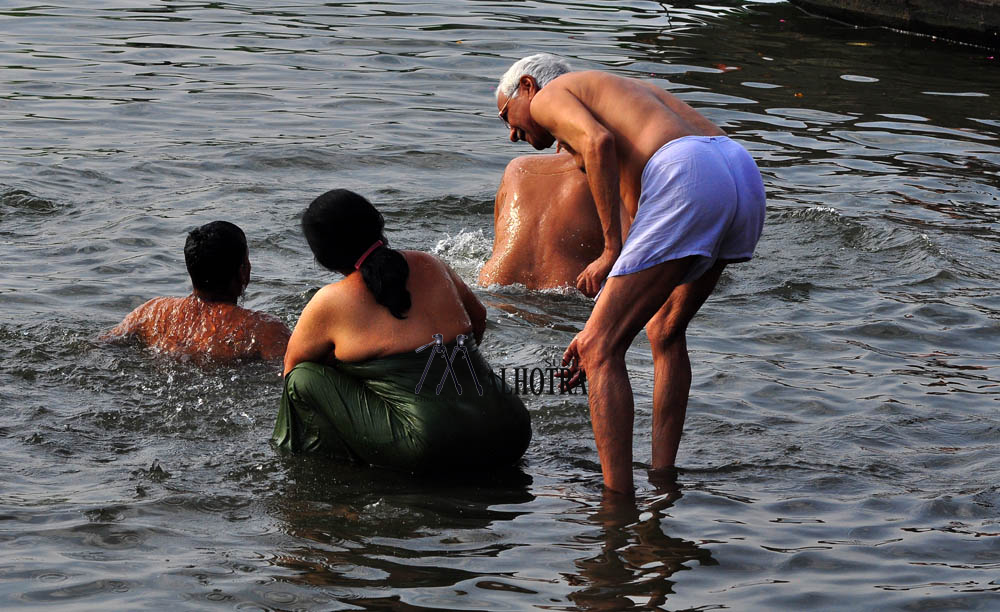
208, 325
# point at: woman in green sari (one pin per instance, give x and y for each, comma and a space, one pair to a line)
355, 385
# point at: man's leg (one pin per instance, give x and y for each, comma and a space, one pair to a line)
671, 365
624, 307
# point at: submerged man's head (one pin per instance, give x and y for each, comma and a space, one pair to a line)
218, 261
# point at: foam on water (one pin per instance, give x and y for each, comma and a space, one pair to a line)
466, 252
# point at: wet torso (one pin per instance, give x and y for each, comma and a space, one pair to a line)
546, 225
205, 331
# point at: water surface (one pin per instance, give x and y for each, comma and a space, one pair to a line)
841, 445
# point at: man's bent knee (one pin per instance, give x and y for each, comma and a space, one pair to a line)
666, 332
599, 348
668, 328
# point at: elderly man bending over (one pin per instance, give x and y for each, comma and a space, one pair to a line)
696, 201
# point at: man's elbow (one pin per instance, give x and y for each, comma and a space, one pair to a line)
275, 351
600, 146
118, 333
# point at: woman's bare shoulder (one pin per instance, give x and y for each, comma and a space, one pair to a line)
334, 290
419, 256
429, 271
423, 263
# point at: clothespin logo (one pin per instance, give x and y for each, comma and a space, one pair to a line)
449, 360
438, 349
464, 350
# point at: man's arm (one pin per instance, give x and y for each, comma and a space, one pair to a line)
312, 339
572, 124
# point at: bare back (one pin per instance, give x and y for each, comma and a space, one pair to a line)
344, 322
204, 331
639, 115
546, 227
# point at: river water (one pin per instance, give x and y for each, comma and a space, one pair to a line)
841, 449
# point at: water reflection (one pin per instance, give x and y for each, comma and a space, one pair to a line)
637, 558
358, 529
360, 533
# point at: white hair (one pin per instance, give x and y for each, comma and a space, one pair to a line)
543, 67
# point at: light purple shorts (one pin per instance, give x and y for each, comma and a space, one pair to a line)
702, 196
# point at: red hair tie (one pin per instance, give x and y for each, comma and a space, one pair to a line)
361, 260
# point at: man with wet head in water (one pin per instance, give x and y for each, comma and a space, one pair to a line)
696, 204
208, 325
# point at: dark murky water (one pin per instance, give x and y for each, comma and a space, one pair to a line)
842, 441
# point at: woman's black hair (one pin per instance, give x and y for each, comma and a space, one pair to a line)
340, 226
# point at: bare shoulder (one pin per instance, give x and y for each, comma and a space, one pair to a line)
417, 255
580, 81
158, 303
329, 299
270, 335
422, 259
430, 266
570, 79
521, 163
270, 322
540, 164
143, 312
135, 323
590, 86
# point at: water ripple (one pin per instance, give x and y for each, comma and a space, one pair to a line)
842, 426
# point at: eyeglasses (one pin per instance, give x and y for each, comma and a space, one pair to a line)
503, 110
